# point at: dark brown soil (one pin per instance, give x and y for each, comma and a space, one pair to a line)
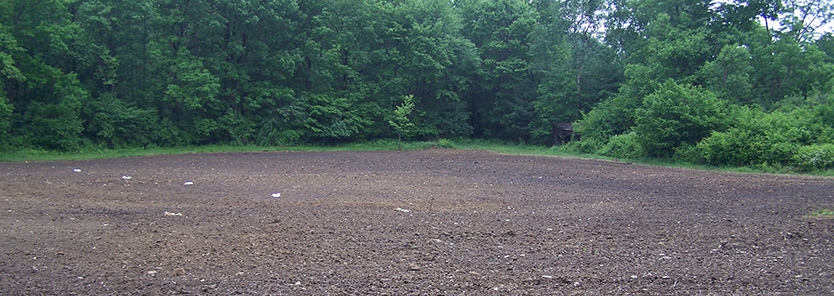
434, 222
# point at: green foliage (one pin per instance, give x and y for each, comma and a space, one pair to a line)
241, 129
815, 157
585, 146
117, 124
675, 115
758, 138
77, 74
503, 90
730, 75
445, 143
614, 116
626, 146
333, 118
399, 119
5, 122
822, 213
57, 125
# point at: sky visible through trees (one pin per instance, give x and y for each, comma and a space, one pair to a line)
720, 82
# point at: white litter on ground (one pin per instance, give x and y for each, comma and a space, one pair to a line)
403, 210
76, 170
126, 177
172, 214
276, 195
188, 183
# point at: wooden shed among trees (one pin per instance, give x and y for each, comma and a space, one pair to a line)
562, 132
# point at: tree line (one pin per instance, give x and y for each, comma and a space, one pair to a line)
696, 80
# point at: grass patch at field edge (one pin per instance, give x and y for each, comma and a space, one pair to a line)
376, 145
822, 213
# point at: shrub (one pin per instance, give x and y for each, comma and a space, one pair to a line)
758, 138
611, 117
688, 153
586, 145
814, 157
677, 114
445, 143
623, 146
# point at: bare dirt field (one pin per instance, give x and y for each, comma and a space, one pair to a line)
433, 222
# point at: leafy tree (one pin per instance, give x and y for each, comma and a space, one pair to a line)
502, 97
730, 75
801, 19
783, 69
191, 94
8, 73
575, 69
425, 35
400, 120
661, 40
45, 96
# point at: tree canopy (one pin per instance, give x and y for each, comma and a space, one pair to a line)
664, 78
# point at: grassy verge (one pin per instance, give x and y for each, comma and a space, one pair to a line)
42, 155
378, 145
822, 213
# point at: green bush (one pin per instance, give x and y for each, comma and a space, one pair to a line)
675, 115
54, 126
445, 143
614, 116
115, 124
586, 145
815, 157
758, 138
688, 153
623, 146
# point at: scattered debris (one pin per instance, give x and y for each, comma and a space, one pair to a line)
276, 195
403, 210
76, 170
413, 267
151, 272
547, 276
126, 177
172, 214
188, 183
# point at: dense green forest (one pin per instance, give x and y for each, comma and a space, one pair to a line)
744, 83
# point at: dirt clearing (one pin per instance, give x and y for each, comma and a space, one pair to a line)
433, 222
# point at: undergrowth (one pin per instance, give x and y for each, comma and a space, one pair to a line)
386, 145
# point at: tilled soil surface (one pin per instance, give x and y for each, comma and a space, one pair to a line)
433, 222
